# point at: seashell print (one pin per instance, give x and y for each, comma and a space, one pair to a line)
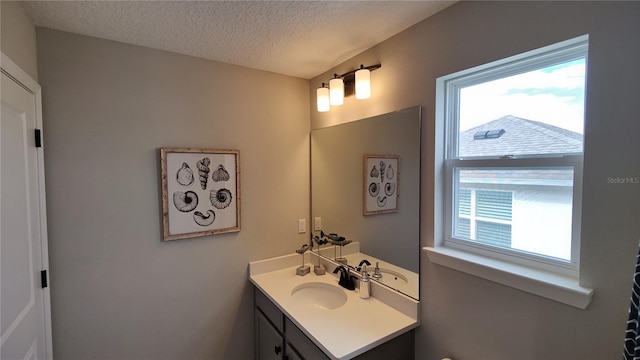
374, 172
374, 189
184, 176
204, 220
220, 174
220, 199
382, 201
185, 201
382, 166
389, 188
203, 171
390, 172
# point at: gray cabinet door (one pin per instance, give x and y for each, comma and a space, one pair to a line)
291, 353
269, 342
304, 347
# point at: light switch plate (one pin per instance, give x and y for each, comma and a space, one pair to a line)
317, 224
302, 226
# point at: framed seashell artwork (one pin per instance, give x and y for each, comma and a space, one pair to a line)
200, 192
380, 184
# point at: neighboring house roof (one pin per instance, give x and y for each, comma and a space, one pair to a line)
547, 177
520, 137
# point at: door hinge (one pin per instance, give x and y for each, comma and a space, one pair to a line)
38, 138
43, 278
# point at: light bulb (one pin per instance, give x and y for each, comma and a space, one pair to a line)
322, 95
336, 91
363, 83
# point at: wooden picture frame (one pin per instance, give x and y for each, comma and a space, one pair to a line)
200, 192
381, 174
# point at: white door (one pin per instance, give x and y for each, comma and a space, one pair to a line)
25, 320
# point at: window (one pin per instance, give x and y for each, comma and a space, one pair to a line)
511, 164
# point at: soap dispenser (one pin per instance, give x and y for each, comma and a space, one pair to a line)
365, 284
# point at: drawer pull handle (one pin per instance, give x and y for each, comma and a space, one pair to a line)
277, 349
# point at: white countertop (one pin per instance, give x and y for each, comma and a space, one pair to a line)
342, 333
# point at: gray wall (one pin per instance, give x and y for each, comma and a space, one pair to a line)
18, 37
466, 317
118, 291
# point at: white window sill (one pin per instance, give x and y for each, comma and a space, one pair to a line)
556, 287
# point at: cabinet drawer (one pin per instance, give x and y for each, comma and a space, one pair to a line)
269, 310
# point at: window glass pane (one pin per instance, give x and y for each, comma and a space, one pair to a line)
493, 204
524, 209
537, 112
494, 233
464, 202
463, 229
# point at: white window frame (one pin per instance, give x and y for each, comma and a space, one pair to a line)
545, 276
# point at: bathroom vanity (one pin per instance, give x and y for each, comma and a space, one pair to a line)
311, 317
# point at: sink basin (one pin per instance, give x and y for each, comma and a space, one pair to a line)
320, 295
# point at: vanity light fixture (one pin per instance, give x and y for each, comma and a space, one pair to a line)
322, 96
355, 81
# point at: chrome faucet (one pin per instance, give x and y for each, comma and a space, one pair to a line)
377, 274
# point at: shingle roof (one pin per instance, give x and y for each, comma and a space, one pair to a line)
520, 137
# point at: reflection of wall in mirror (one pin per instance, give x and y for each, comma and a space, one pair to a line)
337, 184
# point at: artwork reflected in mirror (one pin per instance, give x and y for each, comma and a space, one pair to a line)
383, 238
380, 184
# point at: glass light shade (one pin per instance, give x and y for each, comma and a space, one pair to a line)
336, 91
363, 84
322, 95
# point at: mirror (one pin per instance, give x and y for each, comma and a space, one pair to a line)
342, 189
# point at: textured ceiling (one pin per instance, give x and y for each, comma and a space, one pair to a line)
297, 38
